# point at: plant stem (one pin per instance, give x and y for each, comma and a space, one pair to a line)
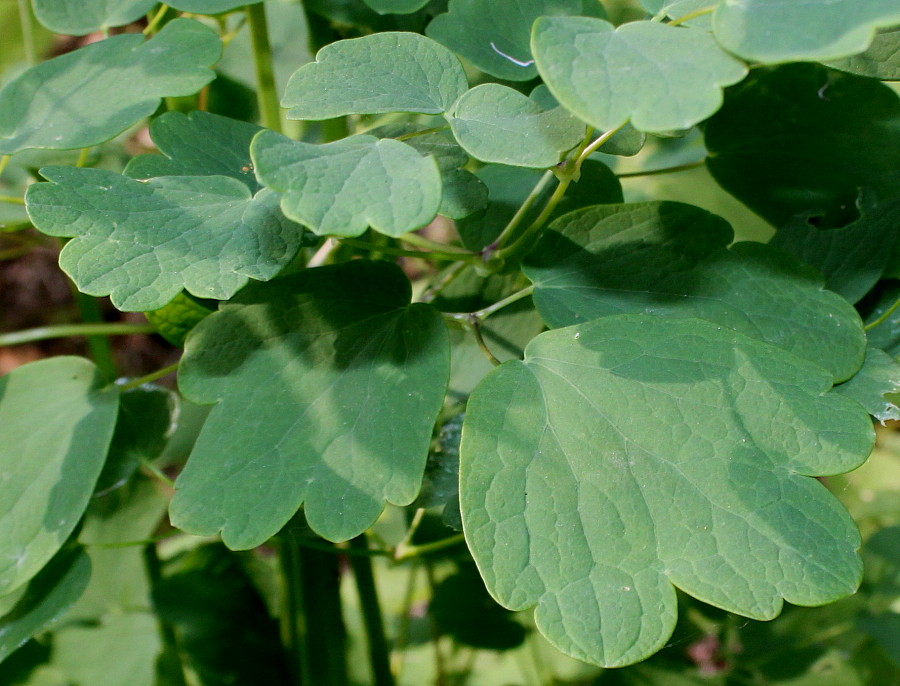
427, 244
513, 223
12, 199
423, 132
379, 652
98, 344
27, 33
590, 149
153, 23
156, 473
665, 170
389, 250
4, 160
442, 280
486, 312
149, 378
693, 15
266, 90
440, 664
415, 551
83, 157
170, 659
43, 333
291, 574
884, 317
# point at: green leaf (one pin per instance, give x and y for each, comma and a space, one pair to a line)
495, 123
852, 258
880, 61
198, 144
669, 258
142, 242
878, 378
396, 6
440, 485
328, 384
886, 334
81, 17
209, 6
147, 417
175, 320
380, 73
494, 35
342, 188
175, 62
633, 454
58, 417
835, 133
48, 595
772, 31
658, 77
508, 187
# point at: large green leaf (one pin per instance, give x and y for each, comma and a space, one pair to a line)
142, 242
852, 258
81, 17
494, 35
48, 595
660, 78
343, 188
670, 258
834, 134
209, 6
198, 144
174, 62
495, 123
328, 384
175, 320
771, 31
383, 72
57, 418
396, 6
634, 454
880, 61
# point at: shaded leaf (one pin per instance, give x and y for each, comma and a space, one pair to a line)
396, 6
143, 242
48, 595
494, 35
766, 31
852, 258
495, 123
885, 334
209, 6
175, 320
198, 144
595, 478
670, 258
343, 188
328, 384
57, 418
884, 628
440, 485
835, 133
657, 77
880, 61
81, 17
175, 62
380, 73
879, 377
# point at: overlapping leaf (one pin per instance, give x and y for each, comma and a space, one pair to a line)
493, 35
772, 31
209, 6
670, 258
57, 421
343, 188
876, 385
396, 6
634, 454
383, 72
658, 77
835, 133
884, 320
880, 61
175, 320
142, 242
495, 123
328, 384
64, 103
81, 17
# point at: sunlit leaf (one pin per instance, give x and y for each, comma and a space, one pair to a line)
880, 61
81, 17
209, 6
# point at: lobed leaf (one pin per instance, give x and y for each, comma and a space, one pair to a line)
142, 242
64, 103
47, 476
494, 35
384, 72
175, 320
495, 123
595, 479
766, 31
327, 385
671, 259
81, 17
880, 61
345, 187
657, 77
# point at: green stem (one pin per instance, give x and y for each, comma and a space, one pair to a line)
442, 280
170, 659
379, 651
665, 170
82, 157
440, 664
4, 160
12, 199
266, 90
149, 378
693, 15
423, 132
513, 223
154, 23
98, 344
415, 551
43, 333
154, 471
27, 33
591, 148
389, 250
524, 243
884, 317
403, 631
440, 248
291, 574
486, 312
